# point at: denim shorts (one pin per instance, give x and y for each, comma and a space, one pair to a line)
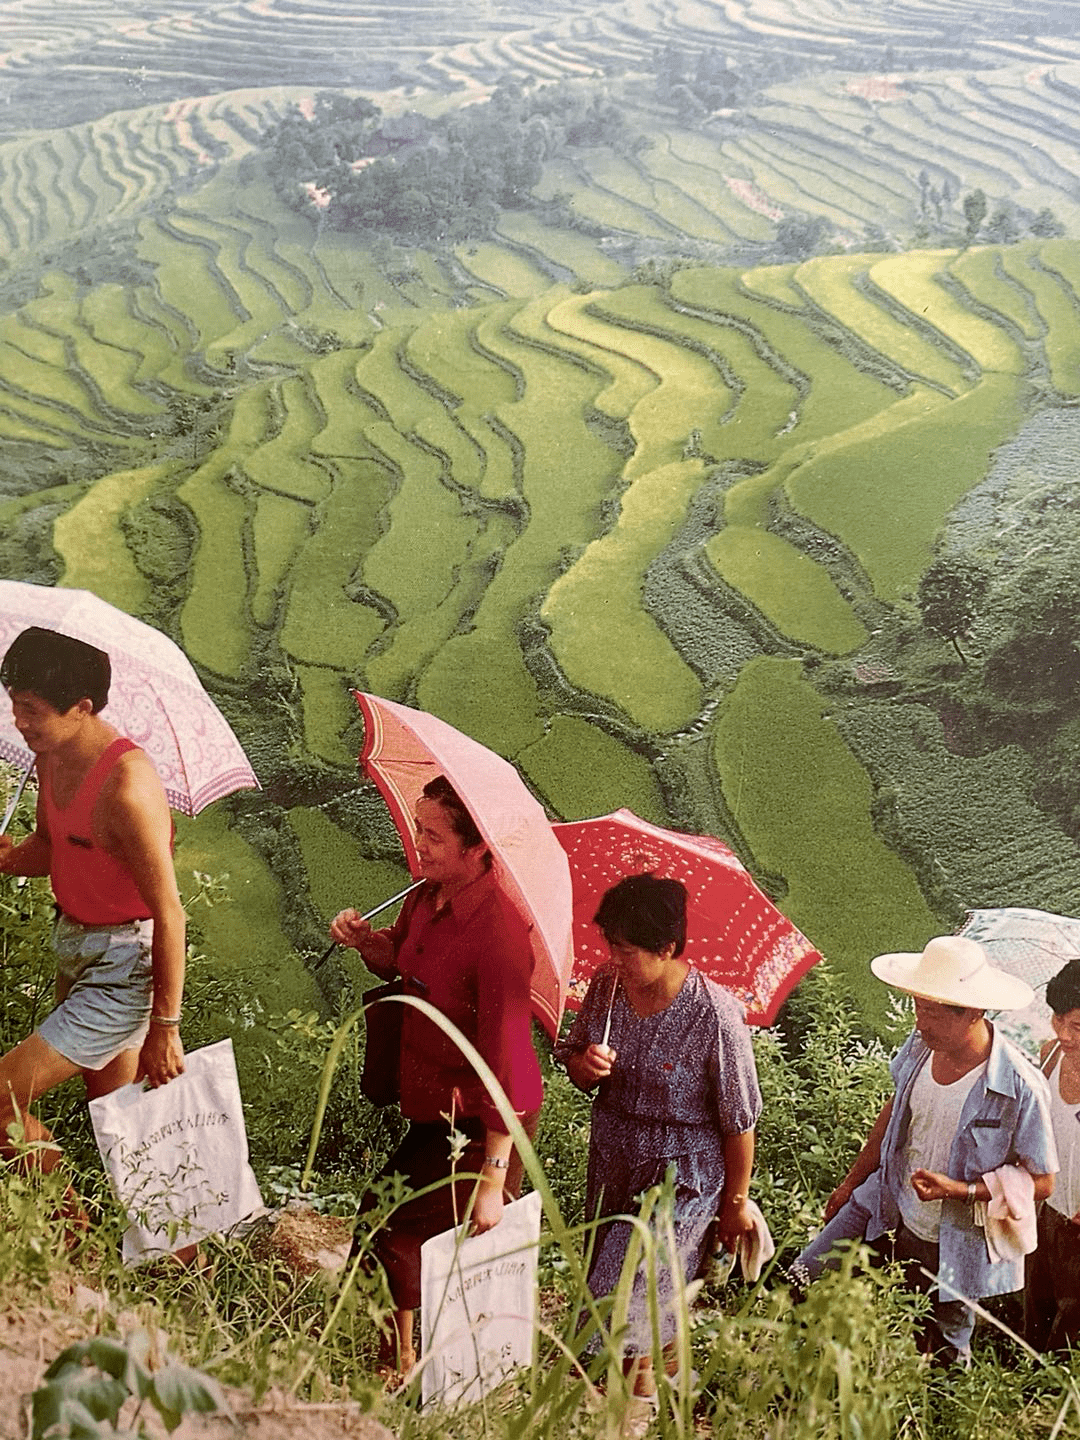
107, 1008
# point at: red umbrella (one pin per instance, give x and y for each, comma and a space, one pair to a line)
403, 750
735, 934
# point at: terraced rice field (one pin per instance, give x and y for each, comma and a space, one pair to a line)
602, 493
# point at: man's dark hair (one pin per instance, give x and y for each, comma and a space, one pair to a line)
57, 669
646, 911
461, 822
1063, 989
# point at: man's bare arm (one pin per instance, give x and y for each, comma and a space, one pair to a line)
137, 829
866, 1162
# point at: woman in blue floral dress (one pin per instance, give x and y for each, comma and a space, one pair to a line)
675, 1086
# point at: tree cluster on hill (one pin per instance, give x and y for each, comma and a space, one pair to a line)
1004, 224
425, 180
696, 83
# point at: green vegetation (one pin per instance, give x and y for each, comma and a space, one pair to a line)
804, 804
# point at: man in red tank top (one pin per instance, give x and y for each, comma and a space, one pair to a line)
103, 835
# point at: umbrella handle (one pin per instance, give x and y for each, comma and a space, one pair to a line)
10, 811
610, 1004
368, 915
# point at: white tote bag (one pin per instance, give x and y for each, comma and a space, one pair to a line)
478, 1305
178, 1155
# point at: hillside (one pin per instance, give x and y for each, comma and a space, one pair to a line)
635, 483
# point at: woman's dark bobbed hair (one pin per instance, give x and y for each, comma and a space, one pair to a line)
646, 911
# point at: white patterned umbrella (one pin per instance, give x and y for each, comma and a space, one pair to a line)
1033, 945
155, 699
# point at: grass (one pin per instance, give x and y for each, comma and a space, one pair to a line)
282, 463
322, 624
830, 283
280, 529
214, 619
339, 873
987, 275
567, 249
839, 394
510, 274
581, 771
888, 504
789, 588
802, 801
91, 544
574, 327
911, 280
479, 681
1056, 305
602, 637
690, 393
774, 282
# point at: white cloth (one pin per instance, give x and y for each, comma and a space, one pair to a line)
1066, 1121
1008, 1217
756, 1248
935, 1118
752, 1252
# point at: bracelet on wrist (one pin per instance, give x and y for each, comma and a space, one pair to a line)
497, 1162
971, 1192
165, 1020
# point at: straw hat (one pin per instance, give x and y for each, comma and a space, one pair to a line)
954, 971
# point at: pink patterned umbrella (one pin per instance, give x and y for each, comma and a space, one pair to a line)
735, 934
403, 750
156, 698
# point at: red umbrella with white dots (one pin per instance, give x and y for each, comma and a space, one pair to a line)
735, 934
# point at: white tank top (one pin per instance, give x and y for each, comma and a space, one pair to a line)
934, 1120
1065, 1119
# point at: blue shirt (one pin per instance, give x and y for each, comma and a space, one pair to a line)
1005, 1121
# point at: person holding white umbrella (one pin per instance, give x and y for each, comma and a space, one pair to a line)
103, 835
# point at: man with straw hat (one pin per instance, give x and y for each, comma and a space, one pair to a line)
966, 1104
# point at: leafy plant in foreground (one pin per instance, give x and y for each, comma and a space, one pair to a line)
88, 1384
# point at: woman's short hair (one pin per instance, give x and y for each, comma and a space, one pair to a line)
461, 822
1063, 989
56, 668
644, 910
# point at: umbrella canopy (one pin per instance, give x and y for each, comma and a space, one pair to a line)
403, 750
735, 934
1033, 945
155, 699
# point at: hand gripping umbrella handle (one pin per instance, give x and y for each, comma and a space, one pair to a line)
10, 811
369, 915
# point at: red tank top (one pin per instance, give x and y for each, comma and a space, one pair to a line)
90, 885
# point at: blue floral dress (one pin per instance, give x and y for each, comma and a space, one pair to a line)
684, 1079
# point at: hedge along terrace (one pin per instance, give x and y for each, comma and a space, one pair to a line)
802, 802
887, 503
479, 681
